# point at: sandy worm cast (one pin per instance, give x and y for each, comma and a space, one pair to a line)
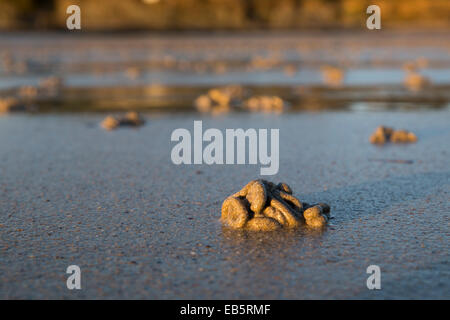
383, 135
263, 206
131, 119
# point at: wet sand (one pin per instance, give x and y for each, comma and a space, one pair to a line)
141, 227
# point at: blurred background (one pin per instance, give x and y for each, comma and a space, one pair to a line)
223, 55
222, 14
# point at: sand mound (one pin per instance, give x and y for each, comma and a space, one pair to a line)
263, 206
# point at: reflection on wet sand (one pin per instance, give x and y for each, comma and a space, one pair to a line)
217, 74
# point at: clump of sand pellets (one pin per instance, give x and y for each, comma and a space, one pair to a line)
219, 100
131, 119
383, 135
264, 206
265, 104
225, 99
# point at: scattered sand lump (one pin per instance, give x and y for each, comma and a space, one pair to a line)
51, 85
265, 104
263, 206
219, 100
386, 134
132, 73
333, 76
222, 100
131, 119
28, 92
290, 70
414, 81
10, 104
